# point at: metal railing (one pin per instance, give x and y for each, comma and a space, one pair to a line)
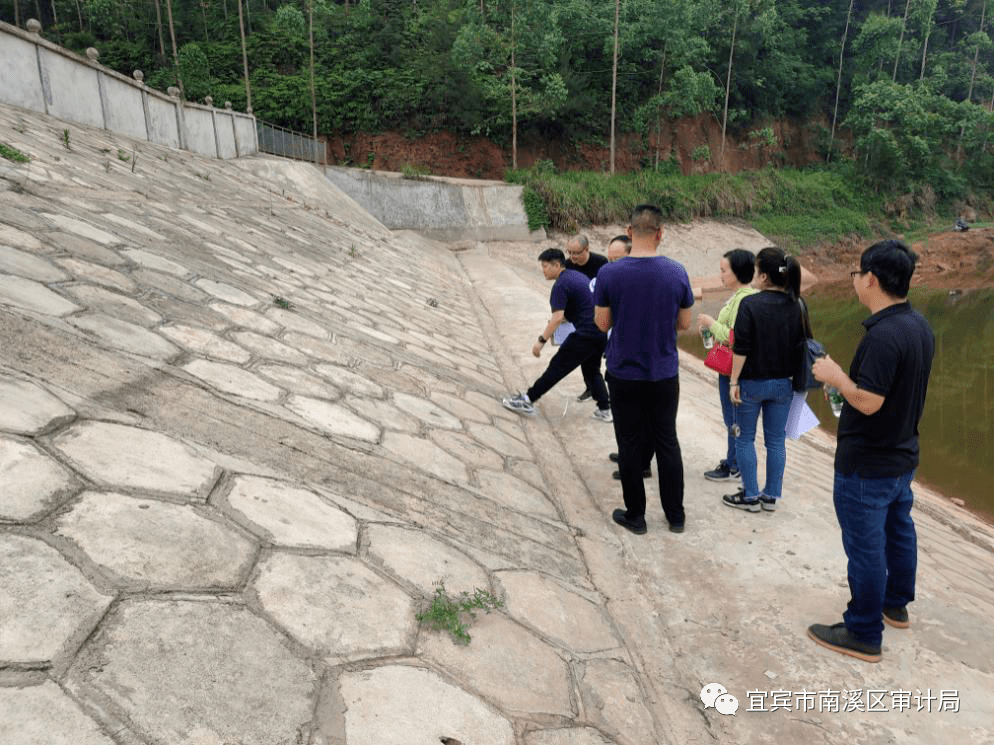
289, 144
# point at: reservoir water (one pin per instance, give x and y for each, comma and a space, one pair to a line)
957, 444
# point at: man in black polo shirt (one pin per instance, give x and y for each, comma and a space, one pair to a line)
581, 258
877, 452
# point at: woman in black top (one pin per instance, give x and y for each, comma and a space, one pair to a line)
768, 349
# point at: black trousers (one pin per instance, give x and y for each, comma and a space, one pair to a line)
645, 422
584, 352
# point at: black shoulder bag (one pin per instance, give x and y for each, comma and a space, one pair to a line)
813, 349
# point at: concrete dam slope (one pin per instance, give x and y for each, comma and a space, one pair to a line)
245, 430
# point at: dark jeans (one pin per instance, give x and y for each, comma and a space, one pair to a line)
645, 422
584, 352
878, 535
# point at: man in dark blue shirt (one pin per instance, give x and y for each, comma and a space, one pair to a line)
645, 299
877, 452
571, 301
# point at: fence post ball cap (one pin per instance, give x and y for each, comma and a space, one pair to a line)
92, 53
33, 25
138, 75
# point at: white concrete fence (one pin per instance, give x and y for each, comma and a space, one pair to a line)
38, 75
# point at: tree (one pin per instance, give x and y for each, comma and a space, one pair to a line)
513, 60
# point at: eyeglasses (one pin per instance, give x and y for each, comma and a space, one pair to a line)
859, 272
580, 252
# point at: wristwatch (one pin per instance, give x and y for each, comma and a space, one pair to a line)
542, 339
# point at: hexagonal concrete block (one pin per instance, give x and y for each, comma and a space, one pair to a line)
202, 341
614, 701
422, 560
425, 455
232, 379
347, 380
45, 714
47, 602
499, 441
291, 516
333, 418
426, 411
31, 483
546, 606
196, 673
33, 296
125, 336
508, 665
27, 409
336, 606
512, 492
227, 293
149, 544
28, 265
121, 456
400, 705
467, 450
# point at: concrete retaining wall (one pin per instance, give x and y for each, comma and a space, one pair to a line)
441, 208
38, 75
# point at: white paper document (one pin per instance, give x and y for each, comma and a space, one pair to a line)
563, 330
800, 419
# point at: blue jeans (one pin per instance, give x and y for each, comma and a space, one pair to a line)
878, 535
728, 414
772, 398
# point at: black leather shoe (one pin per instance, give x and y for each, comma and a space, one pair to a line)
676, 527
897, 617
636, 526
839, 639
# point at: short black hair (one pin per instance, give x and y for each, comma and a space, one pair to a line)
646, 218
892, 263
553, 254
742, 263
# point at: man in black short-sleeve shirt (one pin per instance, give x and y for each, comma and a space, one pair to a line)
581, 258
877, 452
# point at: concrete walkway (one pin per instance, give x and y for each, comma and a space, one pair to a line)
245, 429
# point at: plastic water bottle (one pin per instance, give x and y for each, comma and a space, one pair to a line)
835, 399
707, 338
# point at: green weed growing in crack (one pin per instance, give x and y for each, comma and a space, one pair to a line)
353, 252
453, 614
123, 156
432, 302
282, 302
65, 139
12, 153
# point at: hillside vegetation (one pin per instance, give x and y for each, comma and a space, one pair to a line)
908, 85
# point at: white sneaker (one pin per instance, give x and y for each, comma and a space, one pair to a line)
520, 404
604, 415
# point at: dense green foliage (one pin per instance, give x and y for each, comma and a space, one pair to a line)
910, 103
795, 208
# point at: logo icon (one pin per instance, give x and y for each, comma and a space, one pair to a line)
710, 692
726, 704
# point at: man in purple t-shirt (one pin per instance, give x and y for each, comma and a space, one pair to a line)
571, 301
645, 299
